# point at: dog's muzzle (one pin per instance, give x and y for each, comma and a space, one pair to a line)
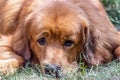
53, 70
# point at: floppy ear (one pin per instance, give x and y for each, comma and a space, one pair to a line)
21, 45
89, 44
28, 52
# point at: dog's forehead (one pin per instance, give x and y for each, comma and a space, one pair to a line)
62, 17
63, 26
59, 26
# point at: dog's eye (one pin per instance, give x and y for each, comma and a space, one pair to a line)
68, 43
42, 41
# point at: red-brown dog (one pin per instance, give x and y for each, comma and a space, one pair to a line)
53, 33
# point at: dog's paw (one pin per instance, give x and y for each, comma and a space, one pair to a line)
8, 66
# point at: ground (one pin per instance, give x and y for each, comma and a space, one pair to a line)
110, 71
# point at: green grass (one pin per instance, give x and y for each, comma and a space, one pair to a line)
110, 71
113, 10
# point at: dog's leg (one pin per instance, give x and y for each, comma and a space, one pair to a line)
9, 60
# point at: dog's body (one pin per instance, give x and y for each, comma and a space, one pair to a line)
55, 32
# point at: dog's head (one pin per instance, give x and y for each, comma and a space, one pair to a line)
56, 33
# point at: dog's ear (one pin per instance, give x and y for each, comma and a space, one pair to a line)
28, 52
89, 44
89, 40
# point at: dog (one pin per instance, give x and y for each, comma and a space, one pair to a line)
54, 33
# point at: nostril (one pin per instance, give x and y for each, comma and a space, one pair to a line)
53, 70
47, 69
58, 68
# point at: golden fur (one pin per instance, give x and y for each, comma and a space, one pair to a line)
84, 22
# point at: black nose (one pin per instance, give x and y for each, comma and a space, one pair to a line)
53, 70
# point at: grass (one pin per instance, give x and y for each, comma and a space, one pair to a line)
110, 71
113, 10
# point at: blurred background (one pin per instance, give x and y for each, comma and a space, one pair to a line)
113, 9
